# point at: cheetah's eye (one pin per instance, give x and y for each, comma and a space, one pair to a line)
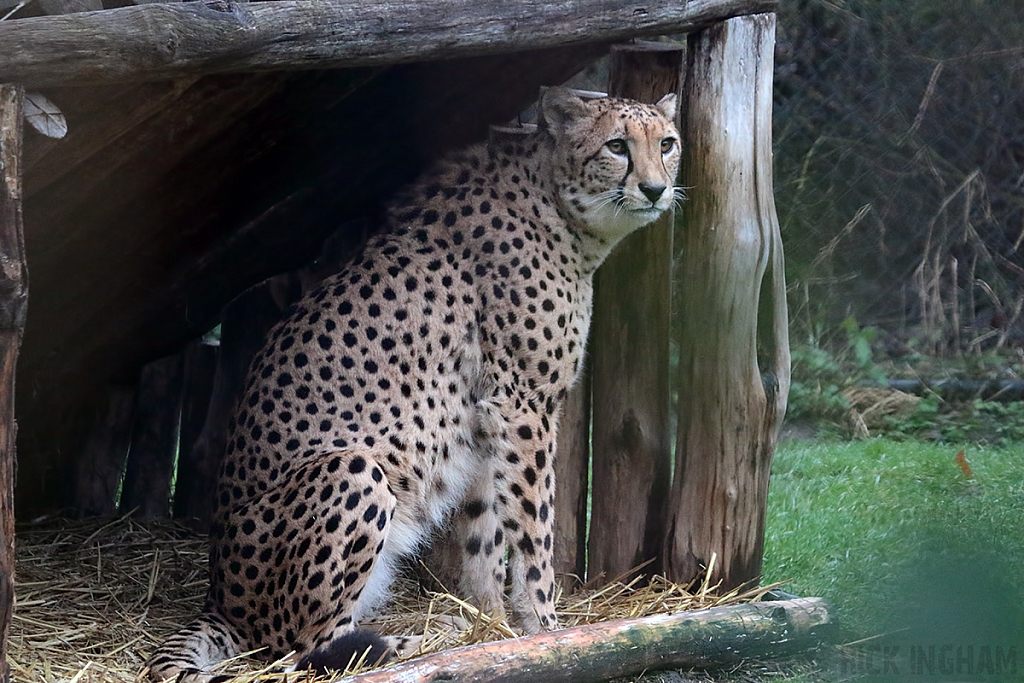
616, 146
667, 144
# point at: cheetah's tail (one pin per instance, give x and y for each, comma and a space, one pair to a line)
341, 653
188, 655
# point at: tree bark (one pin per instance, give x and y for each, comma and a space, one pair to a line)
98, 469
157, 42
598, 652
734, 346
572, 464
629, 339
147, 477
13, 308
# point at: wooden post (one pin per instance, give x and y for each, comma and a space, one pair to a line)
572, 464
630, 351
200, 370
13, 308
147, 476
99, 467
734, 346
244, 326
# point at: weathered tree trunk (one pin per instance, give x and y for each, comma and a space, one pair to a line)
13, 308
598, 652
200, 370
244, 326
630, 354
147, 477
572, 460
157, 42
734, 346
98, 469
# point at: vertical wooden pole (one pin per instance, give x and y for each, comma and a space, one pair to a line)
630, 351
572, 464
13, 308
734, 345
98, 469
244, 326
147, 476
200, 370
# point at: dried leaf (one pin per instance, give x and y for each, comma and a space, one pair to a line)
965, 466
44, 116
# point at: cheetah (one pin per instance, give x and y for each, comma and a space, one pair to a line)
421, 386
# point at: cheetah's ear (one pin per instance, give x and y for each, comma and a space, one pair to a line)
558, 107
667, 106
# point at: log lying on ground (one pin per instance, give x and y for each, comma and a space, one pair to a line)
165, 41
963, 389
684, 640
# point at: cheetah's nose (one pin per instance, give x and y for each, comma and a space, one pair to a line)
652, 192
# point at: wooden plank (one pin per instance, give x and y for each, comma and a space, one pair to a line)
630, 354
597, 652
13, 309
194, 474
734, 345
164, 41
99, 468
48, 160
147, 476
129, 164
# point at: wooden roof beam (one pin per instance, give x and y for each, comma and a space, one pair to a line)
166, 41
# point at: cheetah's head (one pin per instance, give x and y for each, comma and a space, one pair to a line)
615, 160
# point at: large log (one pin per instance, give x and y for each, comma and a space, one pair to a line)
630, 359
734, 363
164, 41
597, 652
13, 308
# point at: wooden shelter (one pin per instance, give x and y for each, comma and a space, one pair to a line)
212, 145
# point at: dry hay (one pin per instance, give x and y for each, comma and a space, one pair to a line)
869, 406
94, 598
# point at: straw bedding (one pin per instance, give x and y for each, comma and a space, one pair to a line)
95, 597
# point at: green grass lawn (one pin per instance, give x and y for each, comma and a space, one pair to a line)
901, 541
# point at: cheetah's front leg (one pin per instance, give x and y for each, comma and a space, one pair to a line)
481, 543
526, 492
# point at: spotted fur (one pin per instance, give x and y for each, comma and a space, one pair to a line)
425, 381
